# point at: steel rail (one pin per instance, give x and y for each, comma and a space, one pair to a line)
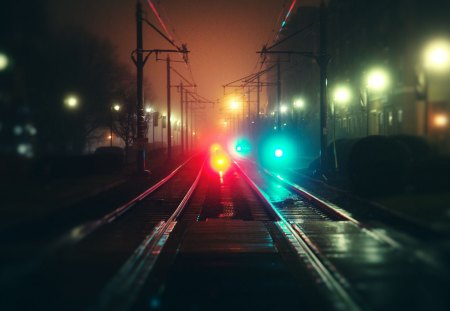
332, 208
122, 290
333, 280
329, 207
14, 274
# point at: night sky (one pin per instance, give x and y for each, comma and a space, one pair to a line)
222, 35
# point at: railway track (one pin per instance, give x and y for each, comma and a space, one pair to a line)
380, 266
202, 240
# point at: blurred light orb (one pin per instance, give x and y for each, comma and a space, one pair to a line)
283, 108
148, 109
342, 94
278, 153
377, 79
4, 61
71, 101
437, 55
299, 103
116, 107
234, 104
441, 120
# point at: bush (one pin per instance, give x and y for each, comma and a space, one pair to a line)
379, 165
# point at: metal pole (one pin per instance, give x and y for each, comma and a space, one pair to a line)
111, 128
257, 100
192, 129
323, 63
153, 131
140, 90
368, 113
248, 111
182, 117
187, 122
169, 126
278, 95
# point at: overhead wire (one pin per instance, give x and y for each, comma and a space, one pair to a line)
169, 37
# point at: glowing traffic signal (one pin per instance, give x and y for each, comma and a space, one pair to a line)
220, 162
277, 151
240, 147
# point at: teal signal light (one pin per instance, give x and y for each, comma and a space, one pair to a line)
278, 153
242, 147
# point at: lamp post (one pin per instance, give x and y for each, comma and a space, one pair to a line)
4, 61
234, 106
71, 102
436, 59
116, 108
341, 96
299, 105
377, 81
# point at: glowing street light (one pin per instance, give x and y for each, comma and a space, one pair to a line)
377, 80
234, 105
283, 108
4, 61
440, 120
341, 95
116, 108
436, 61
71, 101
299, 103
437, 56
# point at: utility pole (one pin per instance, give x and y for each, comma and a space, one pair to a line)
186, 113
192, 128
169, 125
181, 116
140, 140
257, 101
323, 60
278, 95
248, 111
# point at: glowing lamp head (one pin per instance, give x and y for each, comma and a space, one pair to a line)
71, 102
4, 61
440, 121
437, 55
220, 162
278, 153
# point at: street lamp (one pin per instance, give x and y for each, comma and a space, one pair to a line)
440, 121
116, 108
234, 106
71, 101
437, 56
4, 61
436, 59
299, 103
341, 96
377, 80
150, 111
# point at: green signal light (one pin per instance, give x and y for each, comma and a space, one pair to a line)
278, 153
